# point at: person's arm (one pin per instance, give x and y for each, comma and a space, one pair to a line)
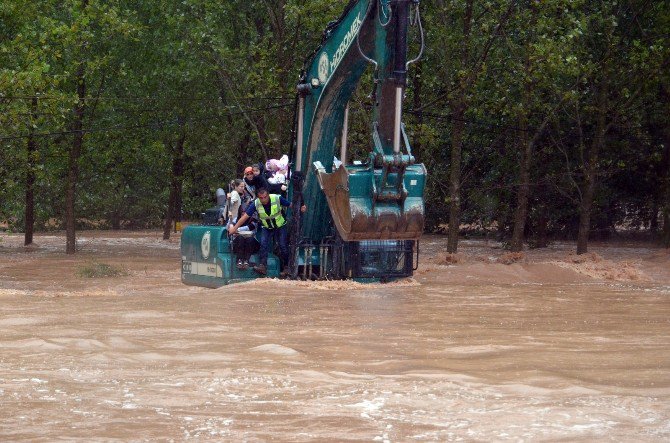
234, 198
285, 202
250, 211
233, 229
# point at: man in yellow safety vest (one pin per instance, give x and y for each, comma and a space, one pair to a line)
273, 226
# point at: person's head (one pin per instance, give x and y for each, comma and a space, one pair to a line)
249, 172
263, 195
256, 170
237, 185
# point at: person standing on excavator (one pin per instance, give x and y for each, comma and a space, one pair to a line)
273, 226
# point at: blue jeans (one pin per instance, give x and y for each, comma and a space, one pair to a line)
280, 235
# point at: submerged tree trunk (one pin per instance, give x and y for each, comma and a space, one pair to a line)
176, 184
73, 163
30, 178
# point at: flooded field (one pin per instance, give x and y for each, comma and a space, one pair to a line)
481, 346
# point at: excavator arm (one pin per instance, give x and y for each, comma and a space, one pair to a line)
364, 217
382, 196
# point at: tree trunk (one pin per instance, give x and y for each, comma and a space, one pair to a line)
664, 194
73, 163
665, 190
176, 181
178, 201
521, 212
277, 21
591, 169
459, 106
263, 138
116, 221
585, 212
30, 178
455, 178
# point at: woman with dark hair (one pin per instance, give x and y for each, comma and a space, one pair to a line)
235, 199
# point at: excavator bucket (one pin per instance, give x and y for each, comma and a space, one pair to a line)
359, 214
378, 214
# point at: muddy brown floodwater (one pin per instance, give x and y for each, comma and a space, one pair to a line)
481, 346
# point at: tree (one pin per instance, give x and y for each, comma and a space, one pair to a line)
537, 79
616, 70
477, 30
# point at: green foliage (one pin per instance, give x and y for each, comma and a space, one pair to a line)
100, 270
222, 75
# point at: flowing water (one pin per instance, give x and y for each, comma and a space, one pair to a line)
451, 355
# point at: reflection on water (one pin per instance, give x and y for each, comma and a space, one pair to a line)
427, 360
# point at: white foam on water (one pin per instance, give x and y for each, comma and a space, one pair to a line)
373, 405
276, 349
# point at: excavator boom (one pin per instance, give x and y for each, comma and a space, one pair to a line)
380, 197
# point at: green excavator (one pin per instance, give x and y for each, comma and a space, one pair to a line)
364, 217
